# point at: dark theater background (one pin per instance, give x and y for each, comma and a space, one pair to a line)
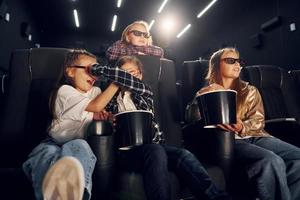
262, 30
36, 35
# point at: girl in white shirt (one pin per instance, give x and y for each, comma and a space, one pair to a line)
61, 167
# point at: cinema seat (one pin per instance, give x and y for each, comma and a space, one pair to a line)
25, 117
24, 114
295, 77
192, 79
3, 80
280, 94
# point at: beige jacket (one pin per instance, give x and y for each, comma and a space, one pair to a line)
252, 113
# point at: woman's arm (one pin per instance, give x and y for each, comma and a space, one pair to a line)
192, 112
254, 119
150, 50
117, 50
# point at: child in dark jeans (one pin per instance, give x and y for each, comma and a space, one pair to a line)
153, 160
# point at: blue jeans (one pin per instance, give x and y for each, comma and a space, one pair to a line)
48, 152
187, 167
153, 161
273, 165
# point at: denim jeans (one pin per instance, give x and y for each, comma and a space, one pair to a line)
153, 161
48, 152
187, 167
273, 165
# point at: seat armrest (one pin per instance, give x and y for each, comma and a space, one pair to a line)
100, 128
277, 120
286, 129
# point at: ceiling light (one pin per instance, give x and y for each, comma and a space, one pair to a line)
206, 8
119, 3
162, 6
113, 26
151, 24
183, 31
76, 18
168, 24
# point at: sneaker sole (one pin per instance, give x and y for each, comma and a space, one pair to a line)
64, 180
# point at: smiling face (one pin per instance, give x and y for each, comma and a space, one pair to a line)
79, 77
229, 69
136, 35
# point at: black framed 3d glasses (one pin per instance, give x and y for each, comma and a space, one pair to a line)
140, 33
232, 61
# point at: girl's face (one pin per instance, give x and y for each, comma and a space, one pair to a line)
80, 77
132, 69
230, 65
138, 35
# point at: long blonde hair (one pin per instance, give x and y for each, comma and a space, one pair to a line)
214, 76
126, 31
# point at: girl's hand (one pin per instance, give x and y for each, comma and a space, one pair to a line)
232, 127
102, 115
141, 53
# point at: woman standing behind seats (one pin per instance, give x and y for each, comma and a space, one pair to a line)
153, 160
135, 40
272, 164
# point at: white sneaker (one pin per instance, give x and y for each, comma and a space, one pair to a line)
64, 180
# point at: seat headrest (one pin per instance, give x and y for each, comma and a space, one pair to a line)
46, 59
271, 76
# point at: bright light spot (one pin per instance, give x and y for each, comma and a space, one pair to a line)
168, 24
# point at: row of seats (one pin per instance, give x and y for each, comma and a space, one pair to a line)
279, 89
280, 93
33, 73
3, 78
25, 116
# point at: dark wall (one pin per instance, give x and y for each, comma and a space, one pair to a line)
227, 23
233, 22
10, 32
95, 44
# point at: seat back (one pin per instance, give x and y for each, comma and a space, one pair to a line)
296, 77
160, 74
25, 115
278, 91
3, 80
192, 79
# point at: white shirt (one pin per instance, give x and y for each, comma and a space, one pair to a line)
72, 118
125, 102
